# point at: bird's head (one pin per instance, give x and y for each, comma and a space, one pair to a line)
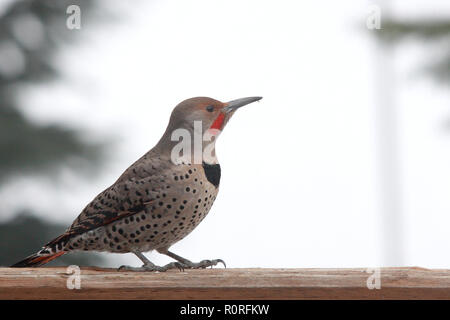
212, 113
200, 117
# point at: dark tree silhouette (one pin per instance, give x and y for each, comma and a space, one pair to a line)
31, 34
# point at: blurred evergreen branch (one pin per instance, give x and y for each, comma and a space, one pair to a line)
27, 148
429, 32
394, 30
31, 34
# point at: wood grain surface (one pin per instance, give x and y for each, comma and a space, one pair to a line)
273, 284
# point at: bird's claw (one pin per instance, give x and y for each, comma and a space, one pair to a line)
180, 266
207, 263
222, 262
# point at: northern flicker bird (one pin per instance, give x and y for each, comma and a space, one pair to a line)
160, 198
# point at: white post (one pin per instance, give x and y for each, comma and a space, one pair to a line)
386, 122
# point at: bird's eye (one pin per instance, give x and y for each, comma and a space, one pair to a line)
210, 108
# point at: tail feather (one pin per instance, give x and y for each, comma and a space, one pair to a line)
37, 260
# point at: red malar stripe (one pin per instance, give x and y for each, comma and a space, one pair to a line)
218, 123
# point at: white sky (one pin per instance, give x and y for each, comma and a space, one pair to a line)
299, 171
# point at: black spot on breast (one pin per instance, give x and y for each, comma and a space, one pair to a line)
212, 173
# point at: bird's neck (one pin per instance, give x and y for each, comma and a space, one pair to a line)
186, 148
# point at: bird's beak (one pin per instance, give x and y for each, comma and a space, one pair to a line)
235, 104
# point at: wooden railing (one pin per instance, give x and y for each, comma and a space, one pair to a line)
95, 283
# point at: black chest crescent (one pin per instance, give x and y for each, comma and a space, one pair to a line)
212, 173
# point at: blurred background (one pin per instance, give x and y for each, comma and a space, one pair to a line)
344, 163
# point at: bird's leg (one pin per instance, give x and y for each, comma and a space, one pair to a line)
193, 265
149, 266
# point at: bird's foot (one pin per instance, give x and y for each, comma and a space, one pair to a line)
152, 267
203, 264
192, 265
